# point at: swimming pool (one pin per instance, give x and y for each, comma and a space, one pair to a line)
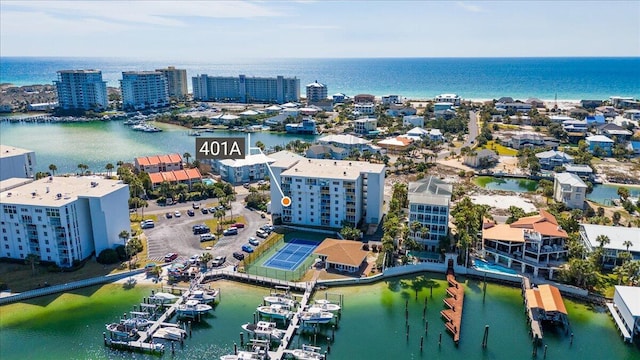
492, 267
208, 181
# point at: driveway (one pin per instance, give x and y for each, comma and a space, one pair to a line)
176, 234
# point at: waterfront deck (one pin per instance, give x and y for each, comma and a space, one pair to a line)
619, 323
534, 323
455, 302
293, 325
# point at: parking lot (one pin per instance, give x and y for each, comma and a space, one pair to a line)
176, 235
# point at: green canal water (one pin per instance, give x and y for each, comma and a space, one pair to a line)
372, 325
97, 143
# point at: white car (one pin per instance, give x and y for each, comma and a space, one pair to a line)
177, 213
194, 259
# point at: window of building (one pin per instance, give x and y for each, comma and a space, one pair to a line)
39, 218
311, 206
312, 213
17, 231
49, 258
335, 189
299, 219
48, 250
19, 247
298, 186
337, 201
45, 234
5, 238
299, 180
6, 246
46, 242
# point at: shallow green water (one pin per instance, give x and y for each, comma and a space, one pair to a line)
372, 325
506, 184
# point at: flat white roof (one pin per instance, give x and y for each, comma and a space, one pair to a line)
247, 161
344, 139
9, 151
617, 236
599, 138
332, 169
44, 192
631, 297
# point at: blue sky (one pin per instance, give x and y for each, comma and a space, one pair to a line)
200, 30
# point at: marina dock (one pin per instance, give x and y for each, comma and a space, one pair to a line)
455, 302
293, 325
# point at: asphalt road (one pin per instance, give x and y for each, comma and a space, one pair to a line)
471, 138
176, 234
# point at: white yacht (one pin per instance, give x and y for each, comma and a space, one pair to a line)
192, 308
275, 311
315, 315
326, 305
264, 330
307, 352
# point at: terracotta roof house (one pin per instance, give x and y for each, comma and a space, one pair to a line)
185, 176
158, 163
530, 244
546, 304
341, 255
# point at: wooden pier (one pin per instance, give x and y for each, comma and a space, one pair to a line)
534, 323
455, 302
293, 325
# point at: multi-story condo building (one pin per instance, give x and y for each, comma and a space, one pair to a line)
448, 98
176, 81
365, 125
81, 90
364, 108
62, 219
569, 189
530, 244
246, 89
617, 236
16, 162
429, 201
251, 168
391, 99
158, 163
316, 92
327, 193
144, 89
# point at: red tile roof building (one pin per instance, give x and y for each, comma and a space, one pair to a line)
159, 163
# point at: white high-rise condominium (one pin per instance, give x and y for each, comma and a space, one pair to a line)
81, 90
246, 89
176, 81
144, 89
16, 162
316, 92
62, 219
327, 193
429, 201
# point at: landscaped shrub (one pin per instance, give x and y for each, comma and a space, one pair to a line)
108, 256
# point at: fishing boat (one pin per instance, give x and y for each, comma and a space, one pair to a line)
326, 305
280, 299
258, 350
275, 311
162, 298
203, 297
264, 330
315, 315
128, 328
192, 308
170, 333
307, 352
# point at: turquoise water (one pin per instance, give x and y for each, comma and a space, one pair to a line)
471, 78
97, 143
506, 184
372, 325
486, 266
605, 193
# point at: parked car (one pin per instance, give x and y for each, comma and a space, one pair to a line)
147, 224
200, 229
245, 185
247, 248
262, 215
190, 212
230, 231
194, 259
170, 257
196, 205
219, 261
238, 255
169, 215
207, 237
253, 241
204, 211
238, 225
177, 213
261, 233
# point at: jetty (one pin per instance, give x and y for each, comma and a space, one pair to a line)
293, 325
455, 302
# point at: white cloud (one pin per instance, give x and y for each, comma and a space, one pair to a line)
310, 27
469, 7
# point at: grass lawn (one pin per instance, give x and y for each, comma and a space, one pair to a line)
501, 150
213, 223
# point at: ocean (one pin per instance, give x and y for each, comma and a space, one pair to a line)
415, 78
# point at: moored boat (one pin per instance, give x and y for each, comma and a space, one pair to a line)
192, 308
203, 297
264, 330
326, 305
275, 311
258, 350
307, 352
162, 298
170, 333
316, 316
279, 299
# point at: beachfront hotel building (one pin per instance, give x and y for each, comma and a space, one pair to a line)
570, 190
618, 237
176, 81
327, 193
245, 89
16, 162
81, 90
62, 219
143, 90
625, 310
316, 92
532, 244
429, 202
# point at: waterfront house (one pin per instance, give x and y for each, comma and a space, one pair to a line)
531, 140
546, 304
634, 147
590, 104
253, 167
625, 310
606, 111
364, 99
416, 133
453, 99
62, 219
624, 102
569, 189
413, 120
16, 162
632, 114
596, 119
553, 158
342, 255
514, 107
575, 126
365, 125
535, 103
395, 144
443, 110
400, 110
532, 244
582, 170
158, 163
429, 203
339, 98
481, 159
174, 177
391, 99
364, 108
618, 236
599, 142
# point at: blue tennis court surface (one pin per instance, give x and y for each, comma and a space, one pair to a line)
291, 255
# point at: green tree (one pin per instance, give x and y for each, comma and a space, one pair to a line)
623, 192
516, 213
109, 168
53, 168
602, 240
205, 258
187, 156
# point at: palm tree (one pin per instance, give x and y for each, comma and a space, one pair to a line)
260, 145
53, 168
603, 240
219, 214
187, 156
109, 168
627, 244
205, 258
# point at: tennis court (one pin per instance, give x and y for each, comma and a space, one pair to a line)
291, 255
